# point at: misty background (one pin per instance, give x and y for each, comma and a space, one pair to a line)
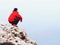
41, 18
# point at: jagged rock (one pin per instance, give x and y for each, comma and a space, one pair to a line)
14, 36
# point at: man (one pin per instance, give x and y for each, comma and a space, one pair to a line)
15, 17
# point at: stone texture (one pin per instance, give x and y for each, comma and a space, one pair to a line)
11, 35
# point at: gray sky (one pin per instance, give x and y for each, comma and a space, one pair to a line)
41, 18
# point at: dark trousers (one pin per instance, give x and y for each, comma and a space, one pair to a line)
16, 20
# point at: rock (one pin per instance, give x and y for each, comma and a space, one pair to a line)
14, 36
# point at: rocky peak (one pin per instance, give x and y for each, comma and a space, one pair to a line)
11, 35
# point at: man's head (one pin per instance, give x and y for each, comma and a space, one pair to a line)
15, 9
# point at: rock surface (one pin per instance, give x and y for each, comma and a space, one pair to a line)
10, 35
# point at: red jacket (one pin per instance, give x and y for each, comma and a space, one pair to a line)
14, 15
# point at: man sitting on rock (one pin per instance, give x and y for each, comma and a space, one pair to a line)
14, 17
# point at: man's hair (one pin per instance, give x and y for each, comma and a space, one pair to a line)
15, 9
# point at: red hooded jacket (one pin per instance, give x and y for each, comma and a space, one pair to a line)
14, 15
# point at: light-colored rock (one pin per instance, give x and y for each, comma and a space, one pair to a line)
14, 35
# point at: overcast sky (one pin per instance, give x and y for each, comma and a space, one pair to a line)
41, 18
